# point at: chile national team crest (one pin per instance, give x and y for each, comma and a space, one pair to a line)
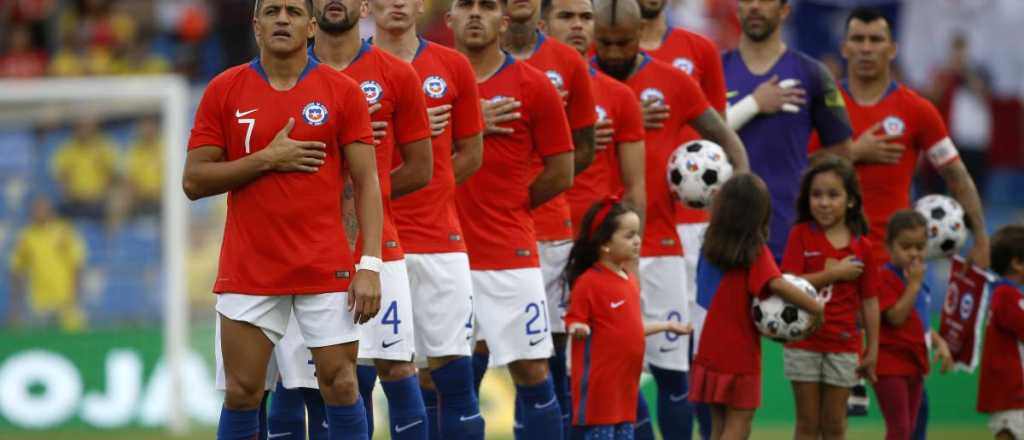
893, 125
435, 87
556, 79
652, 94
315, 114
684, 64
373, 91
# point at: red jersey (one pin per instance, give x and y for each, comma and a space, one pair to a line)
284, 234
568, 72
902, 349
494, 203
427, 220
698, 57
809, 251
656, 80
1001, 386
393, 84
606, 366
886, 187
615, 101
730, 342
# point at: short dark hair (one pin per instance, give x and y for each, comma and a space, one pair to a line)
867, 15
740, 215
1007, 244
309, 8
903, 220
855, 219
545, 7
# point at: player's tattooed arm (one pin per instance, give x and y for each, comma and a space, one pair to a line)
631, 168
554, 179
468, 156
583, 144
207, 173
416, 169
364, 291
711, 127
348, 213
961, 186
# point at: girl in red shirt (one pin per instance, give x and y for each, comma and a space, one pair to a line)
604, 319
735, 267
829, 247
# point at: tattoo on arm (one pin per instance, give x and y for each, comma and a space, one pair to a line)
348, 213
961, 186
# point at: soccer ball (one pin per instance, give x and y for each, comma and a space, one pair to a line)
780, 320
947, 231
696, 171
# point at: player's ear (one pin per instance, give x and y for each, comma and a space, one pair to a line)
448, 19
894, 50
504, 23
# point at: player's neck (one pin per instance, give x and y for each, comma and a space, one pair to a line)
761, 56
652, 32
615, 267
402, 44
283, 71
868, 91
485, 61
337, 50
1017, 278
520, 39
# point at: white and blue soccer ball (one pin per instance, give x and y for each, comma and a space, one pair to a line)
696, 171
947, 230
780, 320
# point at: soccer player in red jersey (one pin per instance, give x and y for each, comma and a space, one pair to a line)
662, 267
1001, 387
392, 88
893, 126
428, 222
509, 301
283, 255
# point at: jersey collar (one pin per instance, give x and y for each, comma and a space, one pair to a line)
893, 86
540, 41
508, 62
311, 64
365, 47
1006, 282
668, 31
419, 49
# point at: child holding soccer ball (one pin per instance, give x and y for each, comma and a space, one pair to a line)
735, 267
605, 322
1001, 389
829, 247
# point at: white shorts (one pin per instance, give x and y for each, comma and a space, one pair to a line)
662, 298
553, 257
1011, 421
691, 236
389, 335
321, 318
511, 314
442, 304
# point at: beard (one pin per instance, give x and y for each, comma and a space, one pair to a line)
337, 27
651, 13
616, 69
762, 34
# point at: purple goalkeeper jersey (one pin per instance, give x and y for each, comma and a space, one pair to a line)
777, 144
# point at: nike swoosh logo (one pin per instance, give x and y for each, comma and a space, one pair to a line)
517, 425
466, 419
545, 405
666, 350
731, 93
385, 344
677, 398
532, 343
406, 427
616, 305
239, 114
324, 424
279, 434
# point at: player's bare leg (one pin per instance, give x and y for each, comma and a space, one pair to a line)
717, 421
737, 424
1005, 435
833, 412
246, 351
336, 373
809, 410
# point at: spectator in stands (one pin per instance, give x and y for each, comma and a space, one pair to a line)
19, 58
48, 257
85, 167
143, 168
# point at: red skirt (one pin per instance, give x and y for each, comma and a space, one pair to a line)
739, 391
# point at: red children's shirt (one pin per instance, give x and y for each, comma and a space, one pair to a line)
567, 72
809, 251
284, 233
656, 80
886, 187
615, 101
902, 350
426, 219
729, 342
1001, 386
606, 366
494, 203
393, 84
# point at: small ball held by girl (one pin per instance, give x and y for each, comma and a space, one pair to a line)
735, 267
605, 322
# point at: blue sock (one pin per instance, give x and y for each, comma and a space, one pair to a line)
264, 425
367, 377
238, 425
347, 422
675, 416
406, 413
480, 361
644, 429
703, 413
460, 417
560, 379
540, 412
430, 404
287, 414
317, 418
